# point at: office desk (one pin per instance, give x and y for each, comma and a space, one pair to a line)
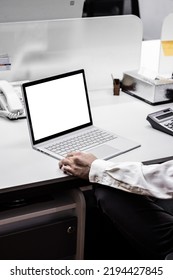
123, 114
22, 168
25, 165
37, 199
126, 115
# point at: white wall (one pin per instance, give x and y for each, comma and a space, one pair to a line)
152, 13
22, 10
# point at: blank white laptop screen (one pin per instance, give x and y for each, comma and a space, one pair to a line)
57, 105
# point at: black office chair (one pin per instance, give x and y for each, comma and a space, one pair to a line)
135, 8
94, 8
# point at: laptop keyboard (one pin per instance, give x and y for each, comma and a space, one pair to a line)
81, 142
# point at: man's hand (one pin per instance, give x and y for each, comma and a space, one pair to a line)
77, 164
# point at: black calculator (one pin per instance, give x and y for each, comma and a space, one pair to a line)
162, 120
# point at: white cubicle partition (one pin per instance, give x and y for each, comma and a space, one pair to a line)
166, 47
102, 46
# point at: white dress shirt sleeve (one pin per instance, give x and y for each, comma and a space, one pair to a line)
153, 180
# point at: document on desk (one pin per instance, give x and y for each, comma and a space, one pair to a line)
60, 120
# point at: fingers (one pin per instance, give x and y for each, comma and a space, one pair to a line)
67, 164
64, 162
69, 155
77, 164
67, 170
64, 165
69, 159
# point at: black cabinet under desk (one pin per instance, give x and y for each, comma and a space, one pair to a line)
49, 228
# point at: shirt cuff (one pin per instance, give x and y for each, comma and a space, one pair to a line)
97, 170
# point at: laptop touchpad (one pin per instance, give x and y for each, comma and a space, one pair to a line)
104, 151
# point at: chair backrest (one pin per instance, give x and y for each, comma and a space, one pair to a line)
94, 8
110, 7
135, 8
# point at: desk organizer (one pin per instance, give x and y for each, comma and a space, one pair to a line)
153, 91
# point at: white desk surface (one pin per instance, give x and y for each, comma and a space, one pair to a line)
20, 165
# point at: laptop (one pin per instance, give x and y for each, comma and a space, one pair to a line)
60, 120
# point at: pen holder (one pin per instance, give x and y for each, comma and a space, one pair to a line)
116, 86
